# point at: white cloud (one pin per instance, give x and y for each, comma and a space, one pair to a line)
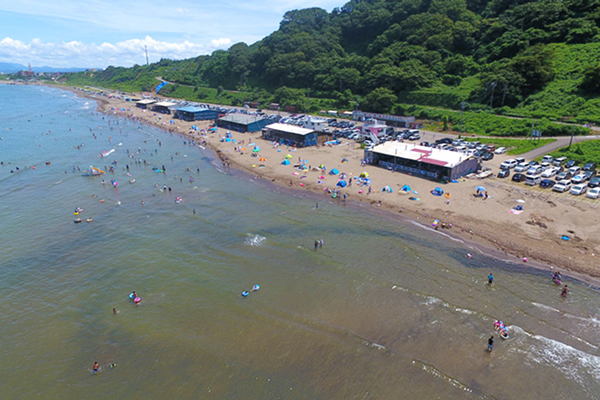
88, 55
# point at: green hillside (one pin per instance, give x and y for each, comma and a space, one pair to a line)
533, 59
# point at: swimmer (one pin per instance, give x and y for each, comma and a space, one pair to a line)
96, 366
133, 295
115, 311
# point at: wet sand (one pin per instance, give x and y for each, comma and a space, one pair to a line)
486, 225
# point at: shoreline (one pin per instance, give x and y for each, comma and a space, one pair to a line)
509, 242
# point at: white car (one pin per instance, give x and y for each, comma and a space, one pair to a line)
593, 193
575, 170
522, 167
579, 189
508, 164
549, 173
500, 150
578, 179
562, 186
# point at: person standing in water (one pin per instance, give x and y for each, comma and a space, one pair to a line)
95, 367
491, 343
490, 279
565, 291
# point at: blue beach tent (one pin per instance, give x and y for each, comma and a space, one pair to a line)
286, 162
342, 183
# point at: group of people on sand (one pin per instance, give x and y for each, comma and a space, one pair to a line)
318, 243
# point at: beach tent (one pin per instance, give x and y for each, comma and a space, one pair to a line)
364, 175
343, 175
480, 188
286, 162
344, 160
437, 191
342, 183
406, 188
256, 149
288, 156
334, 172
387, 189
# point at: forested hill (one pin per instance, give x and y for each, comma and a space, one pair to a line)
532, 58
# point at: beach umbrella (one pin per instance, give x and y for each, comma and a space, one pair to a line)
262, 159
343, 175
480, 188
342, 183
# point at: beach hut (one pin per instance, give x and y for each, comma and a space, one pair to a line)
342, 183
285, 162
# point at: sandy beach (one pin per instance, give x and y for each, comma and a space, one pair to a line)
534, 236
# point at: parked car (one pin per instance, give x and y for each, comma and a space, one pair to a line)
503, 173
564, 175
579, 189
500, 150
533, 163
580, 178
570, 163
593, 193
589, 174
414, 136
547, 183
559, 161
521, 167
545, 166
458, 142
575, 170
533, 180
425, 144
547, 158
520, 160
444, 141
562, 186
549, 173
508, 164
594, 182
473, 145
518, 177
535, 170
589, 166
487, 156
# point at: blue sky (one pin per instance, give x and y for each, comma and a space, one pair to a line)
99, 33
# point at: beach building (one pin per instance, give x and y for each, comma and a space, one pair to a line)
243, 122
375, 128
391, 120
163, 107
291, 135
316, 124
144, 103
196, 113
423, 161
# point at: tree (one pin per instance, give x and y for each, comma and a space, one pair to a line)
379, 100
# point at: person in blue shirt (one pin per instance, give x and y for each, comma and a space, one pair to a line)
490, 278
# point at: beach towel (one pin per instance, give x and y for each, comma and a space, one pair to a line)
516, 212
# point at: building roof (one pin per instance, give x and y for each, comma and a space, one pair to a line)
146, 101
243, 119
444, 158
165, 104
194, 109
290, 129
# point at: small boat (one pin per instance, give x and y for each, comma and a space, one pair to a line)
93, 171
504, 334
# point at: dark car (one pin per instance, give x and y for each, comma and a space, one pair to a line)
589, 166
503, 173
570, 163
533, 163
547, 183
594, 182
487, 156
519, 178
426, 144
589, 174
444, 141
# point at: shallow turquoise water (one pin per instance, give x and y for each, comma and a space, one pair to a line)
384, 310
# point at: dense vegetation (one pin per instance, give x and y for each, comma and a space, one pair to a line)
588, 151
526, 58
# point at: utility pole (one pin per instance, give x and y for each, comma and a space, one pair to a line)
492, 99
307, 100
504, 93
146, 49
572, 133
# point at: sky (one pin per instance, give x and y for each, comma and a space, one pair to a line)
99, 33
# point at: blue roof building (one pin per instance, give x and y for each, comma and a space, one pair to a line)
196, 113
243, 122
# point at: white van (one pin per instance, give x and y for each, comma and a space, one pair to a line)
547, 159
412, 131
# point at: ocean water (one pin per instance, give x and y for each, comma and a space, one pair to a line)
385, 310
